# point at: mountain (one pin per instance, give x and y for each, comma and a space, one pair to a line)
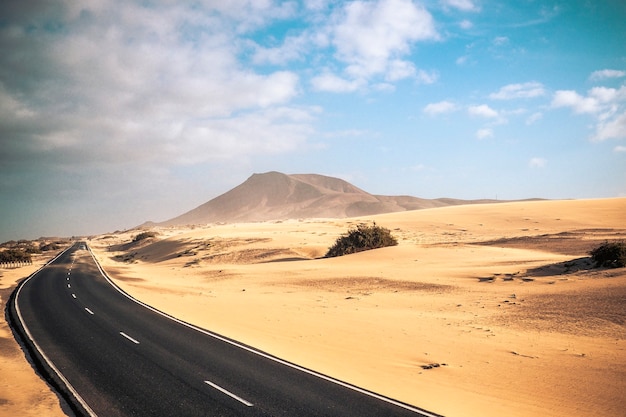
277, 196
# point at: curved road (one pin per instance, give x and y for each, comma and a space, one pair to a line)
113, 356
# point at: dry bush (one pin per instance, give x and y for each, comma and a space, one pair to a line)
610, 255
144, 235
362, 238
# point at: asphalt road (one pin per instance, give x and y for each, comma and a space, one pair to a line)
114, 356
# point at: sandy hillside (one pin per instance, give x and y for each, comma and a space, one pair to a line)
499, 296
277, 196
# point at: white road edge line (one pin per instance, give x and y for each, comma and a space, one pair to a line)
89, 311
230, 394
262, 354
135, 341
45, 357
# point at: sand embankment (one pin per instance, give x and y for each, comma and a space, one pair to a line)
491, 293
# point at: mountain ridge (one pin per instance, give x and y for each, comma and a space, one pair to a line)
276, 196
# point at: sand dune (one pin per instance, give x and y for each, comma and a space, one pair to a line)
482, 310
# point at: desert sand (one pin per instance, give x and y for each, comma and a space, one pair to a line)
500, 297
22, 392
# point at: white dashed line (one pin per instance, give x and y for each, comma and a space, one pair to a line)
135, 341
73, 295
89, 311
230, 394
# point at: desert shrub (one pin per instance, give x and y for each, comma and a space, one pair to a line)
14, 255
144, 235
50, 246
361, 238
610, 254
30, 248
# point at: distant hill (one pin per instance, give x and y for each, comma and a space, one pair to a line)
277, 196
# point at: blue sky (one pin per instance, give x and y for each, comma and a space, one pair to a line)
114, 113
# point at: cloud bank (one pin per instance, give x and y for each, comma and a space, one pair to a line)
110, 77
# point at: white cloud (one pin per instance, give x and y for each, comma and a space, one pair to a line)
466, 24
441, 107
384, 87
424, 77
613, 128
580, 104
462, 60
371, 41
464, 5
334, 84
512, 91
482, 110
484, 133
399, 69
252, 14
597, 100
369, 36
537, 162
533, 118
316, 5
500, 40
608, 95
619, 149
292, 49
606, 105
347, 133
606, 73
271, 131
12, 107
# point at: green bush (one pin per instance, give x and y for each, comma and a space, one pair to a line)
144, 235
610, 255
362, 238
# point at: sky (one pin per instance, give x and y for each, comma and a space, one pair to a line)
113, 113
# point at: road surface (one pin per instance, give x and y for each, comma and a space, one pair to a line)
112, 356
